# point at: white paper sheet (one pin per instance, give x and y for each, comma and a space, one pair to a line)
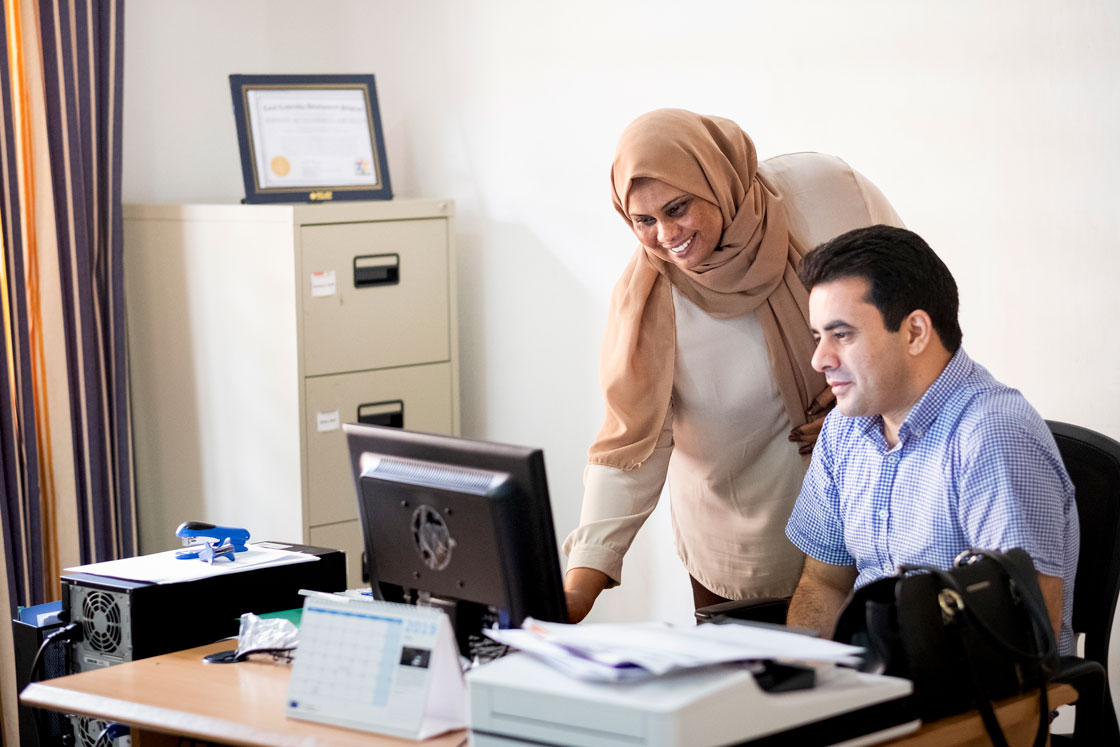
165, 568
628, 651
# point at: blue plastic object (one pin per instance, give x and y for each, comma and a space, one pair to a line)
217, 541
41, 614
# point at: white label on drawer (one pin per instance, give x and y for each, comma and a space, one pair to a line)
326, 421
322, 284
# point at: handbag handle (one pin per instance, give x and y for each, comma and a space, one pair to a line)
987, 710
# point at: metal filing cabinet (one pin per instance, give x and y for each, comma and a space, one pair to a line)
255, 331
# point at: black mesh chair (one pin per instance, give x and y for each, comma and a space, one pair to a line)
1093, 463
767, 610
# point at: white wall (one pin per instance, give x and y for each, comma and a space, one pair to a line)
990, 125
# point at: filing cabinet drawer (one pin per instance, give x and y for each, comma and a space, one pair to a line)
375, 295
346, 536
415, 397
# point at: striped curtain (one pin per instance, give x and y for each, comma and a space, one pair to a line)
65, 433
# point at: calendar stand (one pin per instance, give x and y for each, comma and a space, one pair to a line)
377, 666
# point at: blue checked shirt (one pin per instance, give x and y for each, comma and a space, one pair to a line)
974, 467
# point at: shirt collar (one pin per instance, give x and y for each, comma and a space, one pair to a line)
926, 409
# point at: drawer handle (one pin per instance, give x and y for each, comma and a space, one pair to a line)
377, 269
389, 413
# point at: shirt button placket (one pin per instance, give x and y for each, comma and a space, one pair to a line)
882, 526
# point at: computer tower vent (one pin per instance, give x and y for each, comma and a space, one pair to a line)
101, 622
106, 620
414, 472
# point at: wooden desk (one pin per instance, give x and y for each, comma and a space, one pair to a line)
1018, 716
243, 704
179, 694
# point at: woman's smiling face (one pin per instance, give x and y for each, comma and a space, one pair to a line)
686, 229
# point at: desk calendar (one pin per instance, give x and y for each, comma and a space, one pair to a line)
377, 666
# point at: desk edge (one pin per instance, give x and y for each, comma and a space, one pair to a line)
148, 717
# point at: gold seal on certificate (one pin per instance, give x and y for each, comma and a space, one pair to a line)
281, 166
306, 136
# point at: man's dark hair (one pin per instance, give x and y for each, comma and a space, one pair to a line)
903, 272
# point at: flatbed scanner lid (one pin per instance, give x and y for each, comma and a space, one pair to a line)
519, 699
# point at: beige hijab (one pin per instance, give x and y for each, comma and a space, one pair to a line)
755, 270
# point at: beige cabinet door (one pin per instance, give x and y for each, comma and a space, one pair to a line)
375, 295
416, 397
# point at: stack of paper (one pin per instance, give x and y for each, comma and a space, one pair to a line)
612, 652
165, 568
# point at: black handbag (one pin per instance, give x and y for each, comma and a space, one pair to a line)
975, 633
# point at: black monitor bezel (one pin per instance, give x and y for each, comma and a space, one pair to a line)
535, 583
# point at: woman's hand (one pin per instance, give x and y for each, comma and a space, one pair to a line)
824, 402
581, 587
807, 434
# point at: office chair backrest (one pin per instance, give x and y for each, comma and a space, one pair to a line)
1093, 463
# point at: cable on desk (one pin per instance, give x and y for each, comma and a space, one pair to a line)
63, 634
109, 733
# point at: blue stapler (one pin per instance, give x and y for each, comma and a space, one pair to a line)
217, 541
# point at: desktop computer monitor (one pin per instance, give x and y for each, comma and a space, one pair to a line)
465, 525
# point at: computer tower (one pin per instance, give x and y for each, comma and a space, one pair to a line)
127, 620
29, 629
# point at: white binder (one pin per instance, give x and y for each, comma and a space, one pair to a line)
377, 666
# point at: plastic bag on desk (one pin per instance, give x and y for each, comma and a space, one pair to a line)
259, 635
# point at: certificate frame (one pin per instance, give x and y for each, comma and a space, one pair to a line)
310, 138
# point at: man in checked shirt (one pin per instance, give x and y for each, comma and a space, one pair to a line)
926, 454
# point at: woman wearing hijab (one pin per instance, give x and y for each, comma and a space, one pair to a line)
705, 364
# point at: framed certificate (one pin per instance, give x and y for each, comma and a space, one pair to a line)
310, 138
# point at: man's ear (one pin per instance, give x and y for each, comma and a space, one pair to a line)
919, 331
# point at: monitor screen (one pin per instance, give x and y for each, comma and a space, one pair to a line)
466, 525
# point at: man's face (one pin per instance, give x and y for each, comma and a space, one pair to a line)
866, 365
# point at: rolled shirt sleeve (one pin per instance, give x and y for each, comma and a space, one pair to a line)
816, 525
616, 503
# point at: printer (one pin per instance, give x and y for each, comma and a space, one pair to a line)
520, 700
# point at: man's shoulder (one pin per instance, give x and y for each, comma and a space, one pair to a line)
982, 408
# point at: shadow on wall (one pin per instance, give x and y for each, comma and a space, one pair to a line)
213, 366
529, 345
149, 319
